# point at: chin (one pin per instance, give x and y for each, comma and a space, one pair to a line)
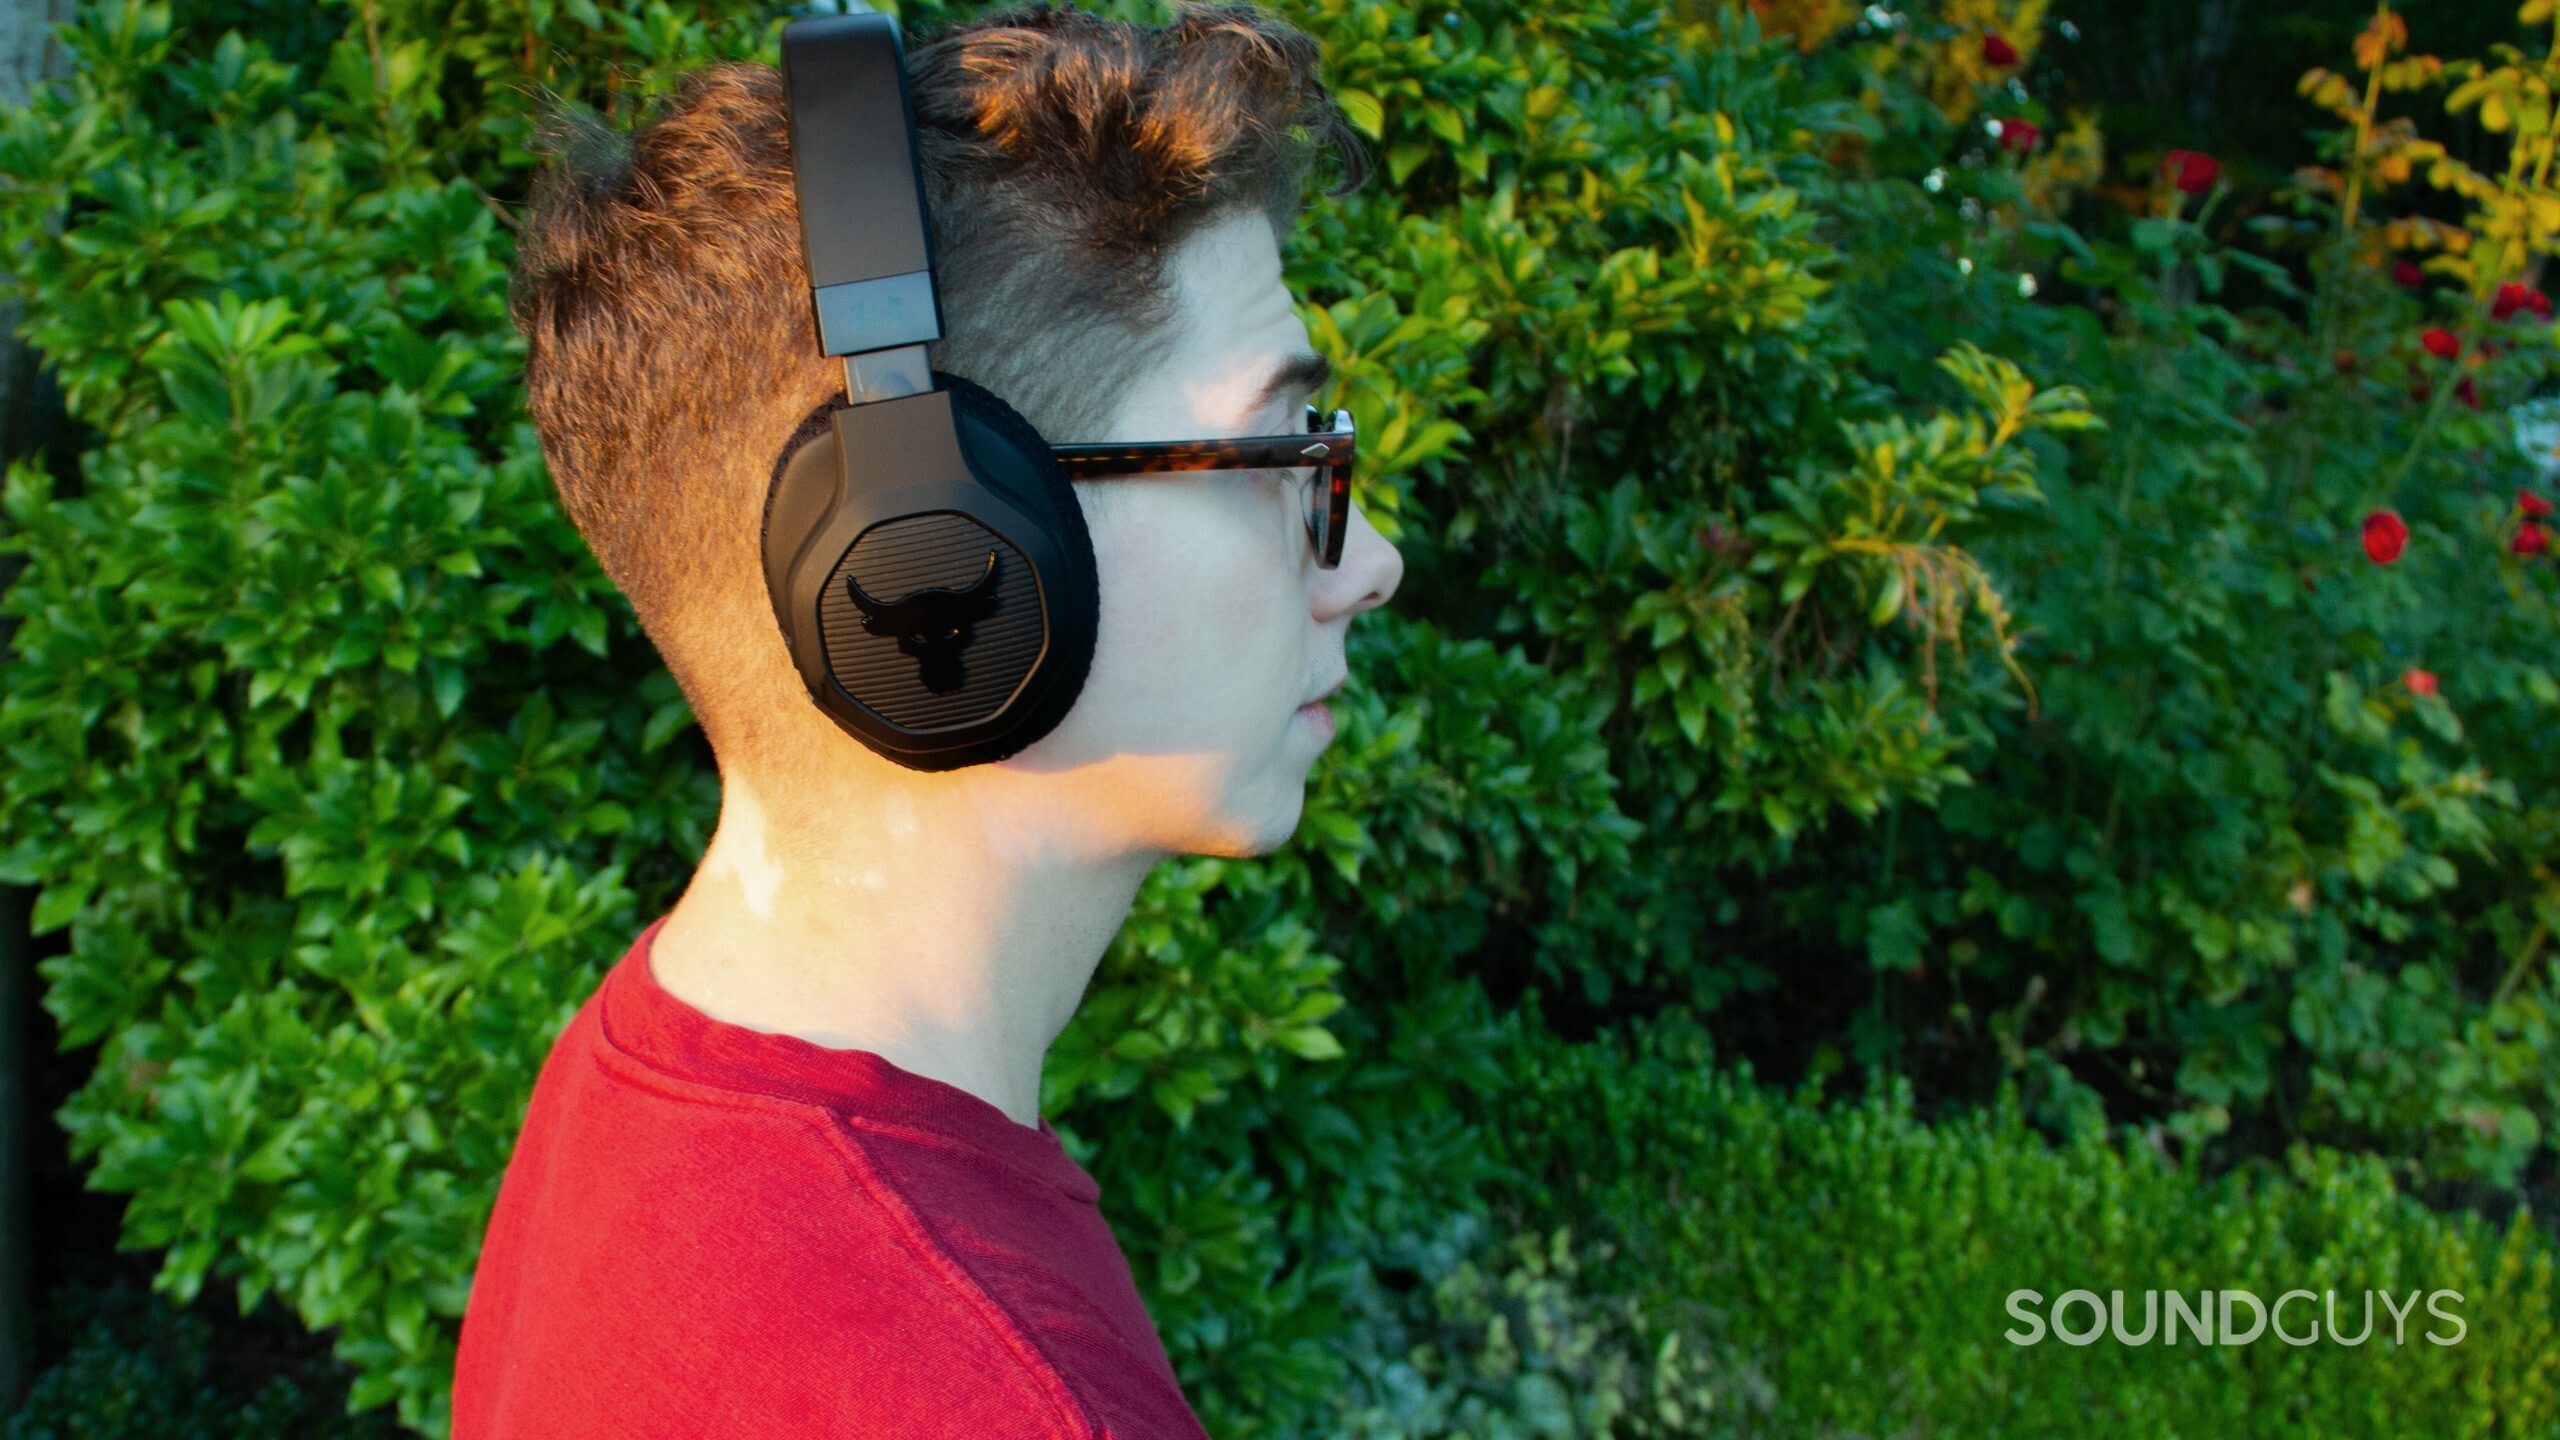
1245, 842
1246, 833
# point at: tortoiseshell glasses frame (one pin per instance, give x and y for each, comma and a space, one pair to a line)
1329, 452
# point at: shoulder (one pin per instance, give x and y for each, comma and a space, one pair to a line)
677, 1253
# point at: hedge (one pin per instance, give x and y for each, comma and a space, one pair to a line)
1851, 1269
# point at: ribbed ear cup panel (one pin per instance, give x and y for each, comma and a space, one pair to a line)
938, 550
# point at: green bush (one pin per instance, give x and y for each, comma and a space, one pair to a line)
1787, 589
2238, 876
135, 1366
1469, 1338
1858, 1263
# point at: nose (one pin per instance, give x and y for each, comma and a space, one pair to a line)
1371, 569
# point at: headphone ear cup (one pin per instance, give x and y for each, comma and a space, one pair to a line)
937, 594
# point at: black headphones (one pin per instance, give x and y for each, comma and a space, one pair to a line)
924, 551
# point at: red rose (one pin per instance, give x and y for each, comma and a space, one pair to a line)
2531, 539
2467, 393
2532, 504
2408, 273
2513, 296
2385, 536
2192, 171
2422, 682
2441, 343
1996, 51
2018, 135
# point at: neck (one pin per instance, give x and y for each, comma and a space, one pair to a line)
949, 927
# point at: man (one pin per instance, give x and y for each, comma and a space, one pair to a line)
785, 1173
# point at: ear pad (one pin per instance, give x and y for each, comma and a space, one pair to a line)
938, 594
809, 498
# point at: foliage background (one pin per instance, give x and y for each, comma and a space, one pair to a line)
1883, 608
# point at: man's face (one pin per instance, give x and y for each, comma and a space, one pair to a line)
1217, 624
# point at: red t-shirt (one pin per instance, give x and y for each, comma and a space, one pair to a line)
709, 1231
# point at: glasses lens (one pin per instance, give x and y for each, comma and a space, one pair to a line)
1328, 492
1311, 486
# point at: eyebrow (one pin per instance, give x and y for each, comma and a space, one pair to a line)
1304, 370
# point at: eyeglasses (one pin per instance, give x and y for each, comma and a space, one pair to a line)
1327, 452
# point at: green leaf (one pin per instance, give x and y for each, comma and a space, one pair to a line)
58, 904
1138, 1045
1888, 601
1894, 936
1780, 816
1363, 111
665, 723
447, 687
1310, 1042
2110, 927
1689, 707
1443, 120
1402, 159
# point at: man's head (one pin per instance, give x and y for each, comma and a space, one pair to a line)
1107, 204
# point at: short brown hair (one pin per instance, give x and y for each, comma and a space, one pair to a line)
661, 291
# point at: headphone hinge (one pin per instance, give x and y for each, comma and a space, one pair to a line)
886, 374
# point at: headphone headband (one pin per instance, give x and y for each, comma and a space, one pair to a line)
863, 223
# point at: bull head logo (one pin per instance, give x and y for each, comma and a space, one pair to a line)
932, 625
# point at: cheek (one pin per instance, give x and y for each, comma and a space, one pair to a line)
1194, 611
1141, 609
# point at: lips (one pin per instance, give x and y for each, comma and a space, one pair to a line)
1327, 693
